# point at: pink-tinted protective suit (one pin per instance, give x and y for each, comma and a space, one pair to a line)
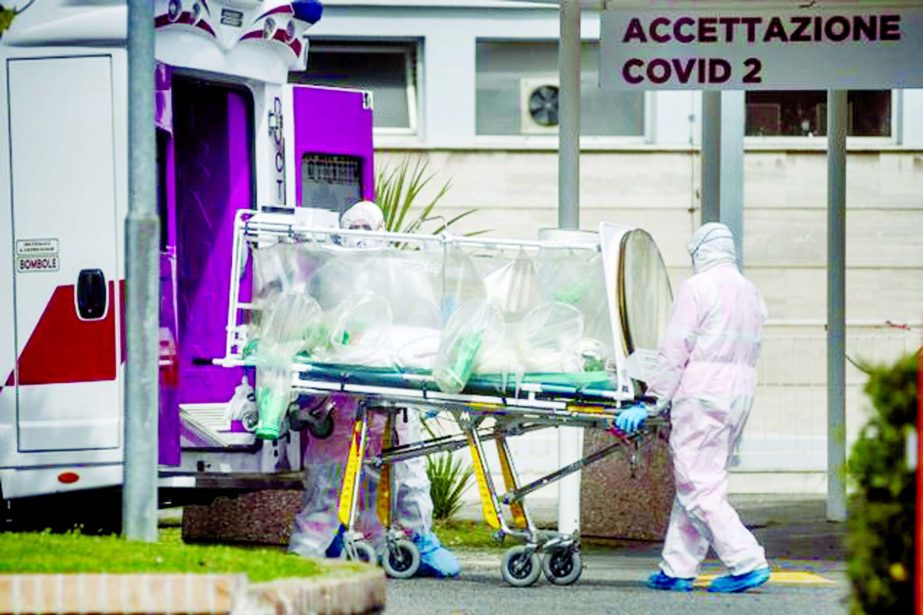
706, 367
325, 461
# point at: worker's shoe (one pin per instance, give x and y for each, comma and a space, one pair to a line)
660, 580
337, 545
435, 560
736, 583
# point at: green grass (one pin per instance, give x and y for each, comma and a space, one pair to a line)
73, 552
457, 534
476, 535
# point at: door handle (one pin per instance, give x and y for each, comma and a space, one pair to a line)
92, 294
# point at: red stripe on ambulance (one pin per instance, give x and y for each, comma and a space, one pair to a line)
63, 348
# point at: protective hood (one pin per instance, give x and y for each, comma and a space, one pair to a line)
363, 215
712, 244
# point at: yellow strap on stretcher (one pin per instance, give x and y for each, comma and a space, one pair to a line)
383, 502
485, 407
353, 462
488, 505
588, 409
516, 508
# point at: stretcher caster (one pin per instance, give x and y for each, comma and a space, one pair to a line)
250, 420
562, 566
401, 559
521, 566
322, 429
360, 551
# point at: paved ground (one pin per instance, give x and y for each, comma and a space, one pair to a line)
799, 542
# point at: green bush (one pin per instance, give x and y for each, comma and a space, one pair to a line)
448, 481
881, 529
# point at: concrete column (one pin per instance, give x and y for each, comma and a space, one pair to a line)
723, 118
731, 178
711, 157
448, 97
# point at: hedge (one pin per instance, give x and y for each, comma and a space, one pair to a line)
880, 539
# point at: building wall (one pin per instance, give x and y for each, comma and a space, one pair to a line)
785, 255
654, 182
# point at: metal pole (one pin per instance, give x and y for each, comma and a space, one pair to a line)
731, 180
142, 228
836, 304
711, 157
569, 438
569, 117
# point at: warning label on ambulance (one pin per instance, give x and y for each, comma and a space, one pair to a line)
36, 255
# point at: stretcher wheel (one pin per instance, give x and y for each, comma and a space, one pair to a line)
250, 420
401, 559
562, 566
321, 429
521, 566
362, 552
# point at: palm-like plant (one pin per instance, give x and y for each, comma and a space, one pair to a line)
397, 189
6, 19
448, 481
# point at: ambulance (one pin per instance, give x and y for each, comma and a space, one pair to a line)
231, 134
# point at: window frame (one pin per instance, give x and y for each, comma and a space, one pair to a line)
820, 141
411, 49
550, 140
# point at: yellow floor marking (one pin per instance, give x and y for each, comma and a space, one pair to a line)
783, 577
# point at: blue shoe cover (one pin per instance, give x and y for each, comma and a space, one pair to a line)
336, 547
435, 560
736, 583
660, 580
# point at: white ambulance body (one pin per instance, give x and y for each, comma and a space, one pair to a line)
230, 131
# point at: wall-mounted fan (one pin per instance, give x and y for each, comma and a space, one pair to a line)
538, 105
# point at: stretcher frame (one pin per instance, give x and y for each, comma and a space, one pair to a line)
531, 407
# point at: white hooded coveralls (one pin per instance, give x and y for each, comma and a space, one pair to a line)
706, 367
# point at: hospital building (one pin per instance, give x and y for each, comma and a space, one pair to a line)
453, 82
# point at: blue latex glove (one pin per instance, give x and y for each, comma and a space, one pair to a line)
631, 419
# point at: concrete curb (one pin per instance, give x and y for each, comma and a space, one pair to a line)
358, 593
231, 594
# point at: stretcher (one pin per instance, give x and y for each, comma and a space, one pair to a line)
500, 359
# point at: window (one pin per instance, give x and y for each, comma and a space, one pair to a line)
330, 182
804, 114
517, 88
387, 70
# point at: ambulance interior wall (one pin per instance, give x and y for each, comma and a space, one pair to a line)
214, 178
784, 447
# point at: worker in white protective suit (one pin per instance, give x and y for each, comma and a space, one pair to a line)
317, 531
706, 369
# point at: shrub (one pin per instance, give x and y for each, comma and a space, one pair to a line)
881, 530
